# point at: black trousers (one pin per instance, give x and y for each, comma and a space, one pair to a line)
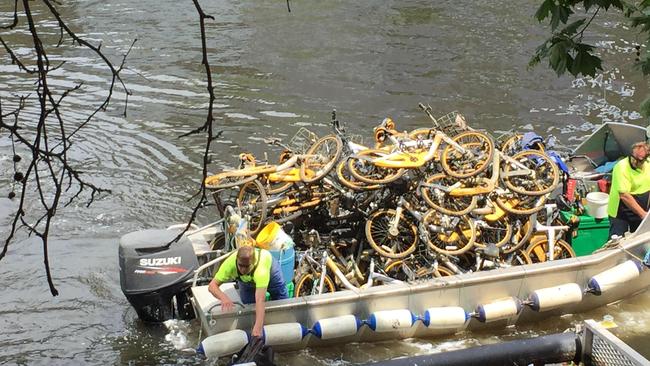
626, 220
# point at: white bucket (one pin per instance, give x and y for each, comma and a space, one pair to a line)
597, 204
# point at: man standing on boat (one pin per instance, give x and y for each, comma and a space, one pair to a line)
256, 272
628, 195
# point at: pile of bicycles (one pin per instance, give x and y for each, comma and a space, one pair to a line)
435, 201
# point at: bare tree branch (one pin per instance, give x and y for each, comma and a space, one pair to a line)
49, 172
14, 23
208, 125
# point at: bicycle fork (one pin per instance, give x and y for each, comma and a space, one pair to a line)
402, 204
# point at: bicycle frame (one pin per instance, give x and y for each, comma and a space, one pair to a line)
423, 230
403, 159
401, 204
487, 185
550, 230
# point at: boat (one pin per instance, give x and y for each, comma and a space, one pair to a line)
175, 284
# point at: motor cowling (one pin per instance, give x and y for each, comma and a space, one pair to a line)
155, 275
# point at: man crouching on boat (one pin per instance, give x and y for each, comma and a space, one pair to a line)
628, 196
256, 272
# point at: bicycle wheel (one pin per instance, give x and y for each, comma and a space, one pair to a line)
420, 134
496, 232
308, 284
538, 251
277, 187
511, 146
518, 205
327, 151
441, 201
519, 258
544, 175
348, 180
252, 202
522, 231
218, 242
479, 150
395, 245
444, 271
396, 270
450, 235
362, 168
224, 180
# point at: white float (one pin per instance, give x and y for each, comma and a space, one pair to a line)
501, 309
223, 344
391, 320
554, 297
615, 276
448, 317
283, 333
337, 327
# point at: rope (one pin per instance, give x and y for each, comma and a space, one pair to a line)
630, 253
616, 244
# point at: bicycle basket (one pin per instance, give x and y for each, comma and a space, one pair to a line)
302, 140
452, 123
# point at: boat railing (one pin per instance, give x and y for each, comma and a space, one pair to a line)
207, 265
601, 347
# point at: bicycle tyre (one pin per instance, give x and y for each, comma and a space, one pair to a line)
509, 146
521, 258
307, 284
499, 236
378, 236
463, 235
346, 179
451, 158
420, 134
538, 250
277, 187
394, 270
224, 180
543, 171
523, 207
373, 173
520, 236
443, 202
252, 201
325, 167
444, 271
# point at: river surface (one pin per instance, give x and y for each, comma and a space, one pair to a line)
274, 72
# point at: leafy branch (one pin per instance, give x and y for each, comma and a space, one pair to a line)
565, 50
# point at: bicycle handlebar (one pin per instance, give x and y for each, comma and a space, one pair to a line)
277, 142
427, 109
272, 140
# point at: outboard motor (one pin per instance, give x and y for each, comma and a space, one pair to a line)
155, 275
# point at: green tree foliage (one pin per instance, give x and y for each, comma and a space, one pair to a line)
569, 20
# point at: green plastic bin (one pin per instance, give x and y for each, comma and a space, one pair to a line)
592, 233
289, 290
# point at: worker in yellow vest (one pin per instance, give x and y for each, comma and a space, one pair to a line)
628, 195
256, 272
